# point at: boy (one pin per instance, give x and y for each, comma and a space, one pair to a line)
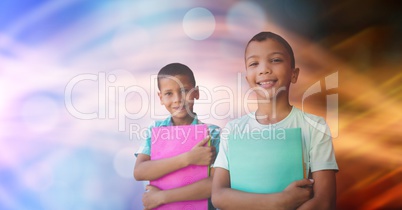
270, 68
178, 91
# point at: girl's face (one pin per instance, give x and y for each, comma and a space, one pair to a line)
268, 68
177, 94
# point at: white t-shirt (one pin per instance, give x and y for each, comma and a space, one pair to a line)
316, 138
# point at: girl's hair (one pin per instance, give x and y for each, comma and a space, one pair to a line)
262, 36
174, 69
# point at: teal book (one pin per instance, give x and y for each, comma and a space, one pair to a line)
265, 161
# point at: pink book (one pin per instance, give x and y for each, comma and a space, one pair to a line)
171, 141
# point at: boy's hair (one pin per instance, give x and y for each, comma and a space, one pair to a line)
175, 69
262, 36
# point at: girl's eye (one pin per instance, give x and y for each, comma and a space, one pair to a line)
168, 94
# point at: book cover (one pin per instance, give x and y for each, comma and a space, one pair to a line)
171, 141
266, 161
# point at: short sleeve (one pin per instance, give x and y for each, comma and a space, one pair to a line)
222, 158
214, 132
322, 155
145, 147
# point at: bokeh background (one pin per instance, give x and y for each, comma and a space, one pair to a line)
77, 91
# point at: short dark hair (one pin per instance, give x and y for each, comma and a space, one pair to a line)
262, 36
174, 69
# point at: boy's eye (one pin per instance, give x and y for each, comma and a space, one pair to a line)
168, 93
276, 60
253, 64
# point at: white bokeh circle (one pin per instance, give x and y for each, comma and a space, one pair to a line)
124, 162
199, 23
245, 19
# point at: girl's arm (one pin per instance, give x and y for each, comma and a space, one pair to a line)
195, 191
224, 197
324, 191
147, 169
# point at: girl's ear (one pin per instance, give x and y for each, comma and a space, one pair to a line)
160, 97
295, 75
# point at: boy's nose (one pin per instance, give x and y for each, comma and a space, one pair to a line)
265, 70
179, 97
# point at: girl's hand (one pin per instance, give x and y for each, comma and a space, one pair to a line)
200, 154
153, 197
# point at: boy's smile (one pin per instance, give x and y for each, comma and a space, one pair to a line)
268, 68
267, 82
177, 94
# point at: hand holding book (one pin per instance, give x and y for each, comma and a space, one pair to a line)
153, 197
201, 154
298, 192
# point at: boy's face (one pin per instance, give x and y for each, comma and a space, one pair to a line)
177, 94
268, 68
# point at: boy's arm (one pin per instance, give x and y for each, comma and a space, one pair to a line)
195, 191
223, 197
324, 191
147, 169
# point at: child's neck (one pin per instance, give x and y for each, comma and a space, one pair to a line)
182, 121
270, 113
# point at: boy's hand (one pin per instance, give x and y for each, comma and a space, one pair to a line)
298, 192
153, 197
200, 154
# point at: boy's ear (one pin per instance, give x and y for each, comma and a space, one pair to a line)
160, 97
196, 93
295, 75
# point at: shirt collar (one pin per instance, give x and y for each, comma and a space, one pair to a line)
168, 121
